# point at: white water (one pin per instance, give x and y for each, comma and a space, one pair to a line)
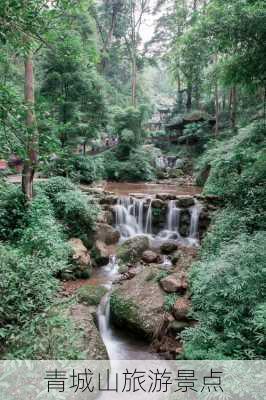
131, 218
134, 217
119, 345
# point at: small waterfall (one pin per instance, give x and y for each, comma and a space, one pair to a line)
173, 216
130, 217
148, 226
194, 221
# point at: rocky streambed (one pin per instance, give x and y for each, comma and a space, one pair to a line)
140, 275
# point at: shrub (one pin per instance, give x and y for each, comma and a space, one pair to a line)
51, 335
43, 235
27, 286
12, 212
139, 167
228, 301
56, 185
169, 301
86, 169
77, 211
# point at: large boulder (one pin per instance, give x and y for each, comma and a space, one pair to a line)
181, 308
175, 283
185, 201
81, 255
168, 247
106, 234
101, 253
89, 341
131, 250
138, 305
149, 257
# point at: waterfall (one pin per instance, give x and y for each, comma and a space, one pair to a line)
148, 226
130, 217
194, 221
173, 216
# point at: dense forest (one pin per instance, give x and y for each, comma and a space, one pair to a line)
132, 140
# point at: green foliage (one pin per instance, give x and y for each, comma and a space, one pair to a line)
12, 212
27, 286
77, 211
56, 185
86, 169
43, 236
228, 295
139, 167
49, 336
169, 301
91, 295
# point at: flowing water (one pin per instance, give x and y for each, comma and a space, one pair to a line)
133, 216
119, 345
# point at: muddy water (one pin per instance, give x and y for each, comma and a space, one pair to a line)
150, 189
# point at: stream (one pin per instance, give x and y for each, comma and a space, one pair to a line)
133, 214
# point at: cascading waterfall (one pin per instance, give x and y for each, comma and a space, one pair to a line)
173, 216
134, 217
131, 218
194, 221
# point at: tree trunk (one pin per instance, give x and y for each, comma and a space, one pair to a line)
189, 97
30, 163
134, 81
233, 108
217, 110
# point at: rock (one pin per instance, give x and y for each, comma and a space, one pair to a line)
131, 250
106, 234
150, 257
81, 255
90, 342
165, 196
105, 217
101, 253
138, 305
184, 222
109, 199
168, 247
91, 295
175, 257
181, 308
157, 203
179, 163
174, 283
185, 201
178, 326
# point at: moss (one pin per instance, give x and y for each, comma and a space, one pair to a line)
124, 313
91, 295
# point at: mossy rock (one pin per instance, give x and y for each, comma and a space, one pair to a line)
124, 313
91, 295
131, 250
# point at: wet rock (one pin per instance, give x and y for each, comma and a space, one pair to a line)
109, 199
89, 341
177, 327
138, 305
106, 217
101, 253
175, 257
175, 283
168, 247
157, 203
165, 196
106, 234
150, 257
181, 308
184, 223
132, 249
81, 255
185, 201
